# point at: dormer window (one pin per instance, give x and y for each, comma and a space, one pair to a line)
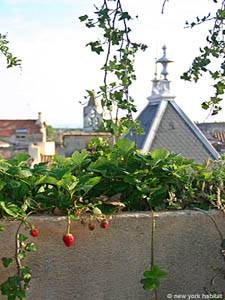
21, 133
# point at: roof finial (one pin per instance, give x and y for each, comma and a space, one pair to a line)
164, 61
156, 73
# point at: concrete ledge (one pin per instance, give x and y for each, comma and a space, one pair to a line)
108, 264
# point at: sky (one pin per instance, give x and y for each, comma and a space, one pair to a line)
57, 68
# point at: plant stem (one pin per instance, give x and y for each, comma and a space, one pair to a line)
152, 248
68, 223
17, 248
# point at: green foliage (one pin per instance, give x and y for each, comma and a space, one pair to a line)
157, 180
106, 179
118, 68
16, 286
152, 278
7, 261
211, 55
11, 60
51, 133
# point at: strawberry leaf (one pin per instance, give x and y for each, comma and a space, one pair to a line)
7, 261
152, 278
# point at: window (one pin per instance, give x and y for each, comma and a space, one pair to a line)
21, 133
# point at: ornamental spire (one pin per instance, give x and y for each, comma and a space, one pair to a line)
164, 61
161, 87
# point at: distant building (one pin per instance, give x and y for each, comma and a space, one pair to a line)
215, 133
165, 125
25, 136
78, 140
92, 117
21, 133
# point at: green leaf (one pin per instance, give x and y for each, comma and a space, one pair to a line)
10, 208
25, 173
74, 217
21, 294
205, 105
20, 157
26, 273
69, 182
155, 272
125, 145
22, 237
2, 184
31, 247
221, 13
83, 18
125, 15
47, 180
10, 287
159, 154
88, 185
7, 261
150, 283
95, 47
79, 157
152, 278
22, 254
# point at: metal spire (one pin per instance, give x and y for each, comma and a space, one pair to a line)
164, 61
156, 73
161, 87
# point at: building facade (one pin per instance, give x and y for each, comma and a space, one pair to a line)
27, 135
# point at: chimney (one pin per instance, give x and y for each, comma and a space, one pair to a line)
40, 117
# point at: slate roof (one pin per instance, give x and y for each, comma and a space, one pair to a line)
180, 140
146, 118
165, 125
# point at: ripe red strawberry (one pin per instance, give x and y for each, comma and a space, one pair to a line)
68, 239
104, 224
34, 232
91, 226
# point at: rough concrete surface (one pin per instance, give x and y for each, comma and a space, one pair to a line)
108, 264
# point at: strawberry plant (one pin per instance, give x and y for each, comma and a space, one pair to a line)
91, 185
16, 286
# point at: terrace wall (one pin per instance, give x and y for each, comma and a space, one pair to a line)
108, 264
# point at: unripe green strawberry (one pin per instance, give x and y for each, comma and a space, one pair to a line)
97, 211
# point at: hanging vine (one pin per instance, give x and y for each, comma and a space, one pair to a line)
118, 68
11, 60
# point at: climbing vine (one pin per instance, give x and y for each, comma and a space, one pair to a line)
11, 60
212, 57
118, 68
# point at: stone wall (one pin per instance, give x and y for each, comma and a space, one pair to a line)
108, 264
75, 141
